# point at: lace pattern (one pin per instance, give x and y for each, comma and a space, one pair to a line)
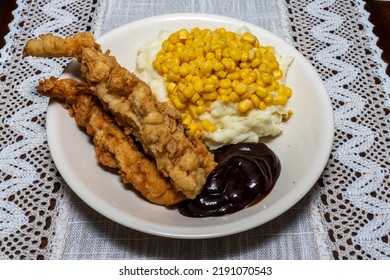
353, 205
30, 186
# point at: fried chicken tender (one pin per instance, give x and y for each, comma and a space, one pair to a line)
48, 46
157, 126
113, 148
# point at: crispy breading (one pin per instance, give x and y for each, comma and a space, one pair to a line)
48, 46
113, 147
157, 126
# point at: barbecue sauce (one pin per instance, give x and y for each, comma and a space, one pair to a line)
245, 174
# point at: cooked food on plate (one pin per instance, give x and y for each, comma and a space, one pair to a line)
114, 148
157, 126
228, 87
195, 93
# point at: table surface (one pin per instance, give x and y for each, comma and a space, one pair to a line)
360, 108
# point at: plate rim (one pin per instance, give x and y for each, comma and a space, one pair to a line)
108, 210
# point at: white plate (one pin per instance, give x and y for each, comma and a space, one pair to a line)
303, 147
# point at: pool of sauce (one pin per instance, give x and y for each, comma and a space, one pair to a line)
245, 174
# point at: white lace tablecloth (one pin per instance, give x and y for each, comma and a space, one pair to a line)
345, 216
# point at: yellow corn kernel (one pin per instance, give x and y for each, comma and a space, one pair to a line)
165, 45
209, 87
188, 91
235, 83
184, 69
188, 79
186, 119
256, 62
195, 97
206, 124
274, 85
247, 47
244, 56
198, 86
266, 78
252, 88
173, 77
248, 37
280, 99
274, 64
184, 55
261, 91
216, 45
213, 79
225, 83
210, 56
255, 99
288, 91
176, 102
236, 54
251, 55
221, 30
221, 74
218, 54
241, 88
270, 49
233, 76
245, 105
175, 68
198, 52
197, 43
277, 74
200, 102
157, 66
249, 79
224, 91
164, 68
183, 34
263, 67
234, 97
229, 63
171, 86
224, 98
244, 72
285, 91
206, 67
192, 111
210, 96
192, 128
268, 99
245, 64
217, 65
256, 43
200, 109
262, 105
182, 97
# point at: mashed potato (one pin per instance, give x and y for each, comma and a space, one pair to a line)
232, 126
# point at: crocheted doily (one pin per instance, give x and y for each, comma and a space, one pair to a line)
30, 186
352, 211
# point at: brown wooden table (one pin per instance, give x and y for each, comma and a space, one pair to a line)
6, 8
380, 17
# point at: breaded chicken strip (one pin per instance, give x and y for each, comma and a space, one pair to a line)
157, 126
113, 147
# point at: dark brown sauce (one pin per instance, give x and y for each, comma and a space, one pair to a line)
245, 174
